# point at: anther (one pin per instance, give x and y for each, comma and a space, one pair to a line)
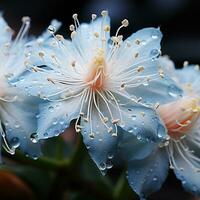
75, 16
94, 16
72, 27
96, 34
140, 69
137, 42
196, 67
115, 121
50, 80
104, 13
59, 37
107, 28
105, 119
142, 114
26, 19
51, 29
185, 63
41, 54
125, 22
73, 63
156, 106
136, 55
73, 34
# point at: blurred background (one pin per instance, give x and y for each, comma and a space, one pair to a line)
178, 20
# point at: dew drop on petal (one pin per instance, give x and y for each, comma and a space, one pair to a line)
133, 117
130, 130
110, 156
155, 178
173, 91
102, 166
14, 142
155, 52
51, 108
34, 137
109, 164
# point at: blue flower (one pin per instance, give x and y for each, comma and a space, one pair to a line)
104, 83
17, 112
182, 150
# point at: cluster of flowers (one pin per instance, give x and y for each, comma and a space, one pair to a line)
127, 101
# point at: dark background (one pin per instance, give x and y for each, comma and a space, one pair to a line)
178, 19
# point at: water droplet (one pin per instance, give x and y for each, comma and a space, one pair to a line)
155, 35
110, 156
35, 157
37, 116
194, 188
155, 178
173, 91
102, 166
139, 137
133, 117
161, 131
17, 125
45, 135
109, 164
14, 142
34, 137
51, 108
55, 121
130, 130
183, 182
155, 52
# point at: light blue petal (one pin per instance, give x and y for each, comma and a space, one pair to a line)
188, 164
42, 84
19, 120
158, 91
189, 75
140, 120
55, 117
147, 176
85, 40
100, 143
6, 32
151, 83
145, 42
130, 148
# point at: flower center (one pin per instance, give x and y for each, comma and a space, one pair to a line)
96, 76
180, 116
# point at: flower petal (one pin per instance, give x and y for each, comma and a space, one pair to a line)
188, 163
142, 46
46, 85
88, 37
19, 120
6, 33
99, 141
147, 176
55, 117
130, 148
